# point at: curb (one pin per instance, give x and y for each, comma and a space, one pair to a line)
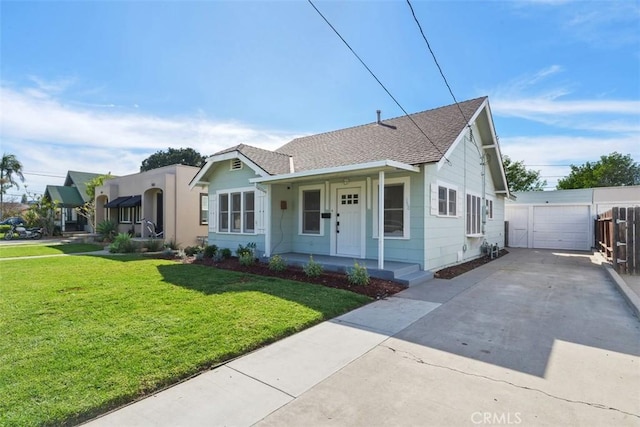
628, 294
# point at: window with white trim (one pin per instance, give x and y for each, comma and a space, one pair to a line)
473, 214
236, 212
311, 197
204, 209
124, 215
489, 204
396, 212
447, 201
137, 217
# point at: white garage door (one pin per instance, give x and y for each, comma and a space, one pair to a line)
561, 227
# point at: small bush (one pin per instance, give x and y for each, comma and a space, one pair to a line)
250, 249
107, 230
226, 253
210, 251
312, 269
246, 259
122, 244
277, 263
153, 245
4, 228
192, 250
358, 275
171, 244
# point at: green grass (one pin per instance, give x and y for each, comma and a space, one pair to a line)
23, 250
81, 335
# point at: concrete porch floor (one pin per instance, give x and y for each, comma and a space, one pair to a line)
402, 272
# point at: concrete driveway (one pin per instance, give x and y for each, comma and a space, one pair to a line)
533, 338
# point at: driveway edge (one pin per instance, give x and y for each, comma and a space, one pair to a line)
628, 294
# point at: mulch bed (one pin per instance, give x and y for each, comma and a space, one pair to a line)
456, 270
377, 288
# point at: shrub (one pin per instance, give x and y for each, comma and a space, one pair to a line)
153, 245
312, 269
4, 228
171, 244
210, 251
358, 275
226, 253
277, 263
122, 244
192, 250
246, 259
250, 249
107, 230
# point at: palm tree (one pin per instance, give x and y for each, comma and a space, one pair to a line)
10, 167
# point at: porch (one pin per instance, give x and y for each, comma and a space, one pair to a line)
402, 272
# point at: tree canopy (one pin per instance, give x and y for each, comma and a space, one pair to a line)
10, 168
520, 178
611, 170
172, 156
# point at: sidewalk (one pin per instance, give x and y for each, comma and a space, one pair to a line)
248, 389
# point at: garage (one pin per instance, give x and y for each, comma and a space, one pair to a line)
550, 226
561, 227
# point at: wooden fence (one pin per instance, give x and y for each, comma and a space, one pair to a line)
618, 238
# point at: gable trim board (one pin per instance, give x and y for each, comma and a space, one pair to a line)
346, 165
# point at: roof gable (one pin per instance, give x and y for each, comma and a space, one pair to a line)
67, 196
80, 180
395, 139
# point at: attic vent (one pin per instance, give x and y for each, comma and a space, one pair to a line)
236, 164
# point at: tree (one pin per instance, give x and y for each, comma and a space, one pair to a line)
520, 178
10, 167
173, 156
88, 210
613, 170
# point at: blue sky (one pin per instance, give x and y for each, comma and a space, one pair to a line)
99, 86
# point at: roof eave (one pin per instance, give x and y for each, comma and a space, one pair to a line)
360, 167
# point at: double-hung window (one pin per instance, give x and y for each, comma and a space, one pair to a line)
310, 210
447, 201
124, 215
473, 214
395, 208
204, 209
236, 211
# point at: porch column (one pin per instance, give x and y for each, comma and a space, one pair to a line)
381, 220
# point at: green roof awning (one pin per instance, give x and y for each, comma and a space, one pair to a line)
67, 197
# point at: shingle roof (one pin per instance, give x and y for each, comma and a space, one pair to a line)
68, 197
394, 139
80, 180
272, 162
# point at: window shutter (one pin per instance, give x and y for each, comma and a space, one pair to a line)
434, 199
213, 213
460, 204
260, 211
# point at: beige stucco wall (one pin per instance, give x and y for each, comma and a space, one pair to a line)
180, 206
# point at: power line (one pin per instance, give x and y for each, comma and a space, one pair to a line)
378, 80
44, 174
433, 55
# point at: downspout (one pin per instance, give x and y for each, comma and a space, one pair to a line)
381, 220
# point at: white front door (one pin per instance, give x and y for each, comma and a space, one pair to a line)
348, 222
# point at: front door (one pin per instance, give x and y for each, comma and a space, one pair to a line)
348, 222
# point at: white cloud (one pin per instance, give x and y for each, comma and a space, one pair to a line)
51, 135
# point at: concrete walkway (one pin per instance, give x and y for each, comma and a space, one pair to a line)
533, 338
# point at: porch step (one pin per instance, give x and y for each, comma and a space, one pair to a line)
78, 237
415, 278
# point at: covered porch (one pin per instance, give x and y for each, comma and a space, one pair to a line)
402, 272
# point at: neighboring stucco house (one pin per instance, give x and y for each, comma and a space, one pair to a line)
320, 194
161, 196
69, 196
563, 219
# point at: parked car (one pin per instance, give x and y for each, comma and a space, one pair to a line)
13, 220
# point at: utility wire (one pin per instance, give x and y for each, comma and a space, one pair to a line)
379, 82
433, 55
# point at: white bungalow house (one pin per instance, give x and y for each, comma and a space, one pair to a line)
441, 180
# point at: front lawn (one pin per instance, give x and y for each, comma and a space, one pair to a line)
81, 335
23, 250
